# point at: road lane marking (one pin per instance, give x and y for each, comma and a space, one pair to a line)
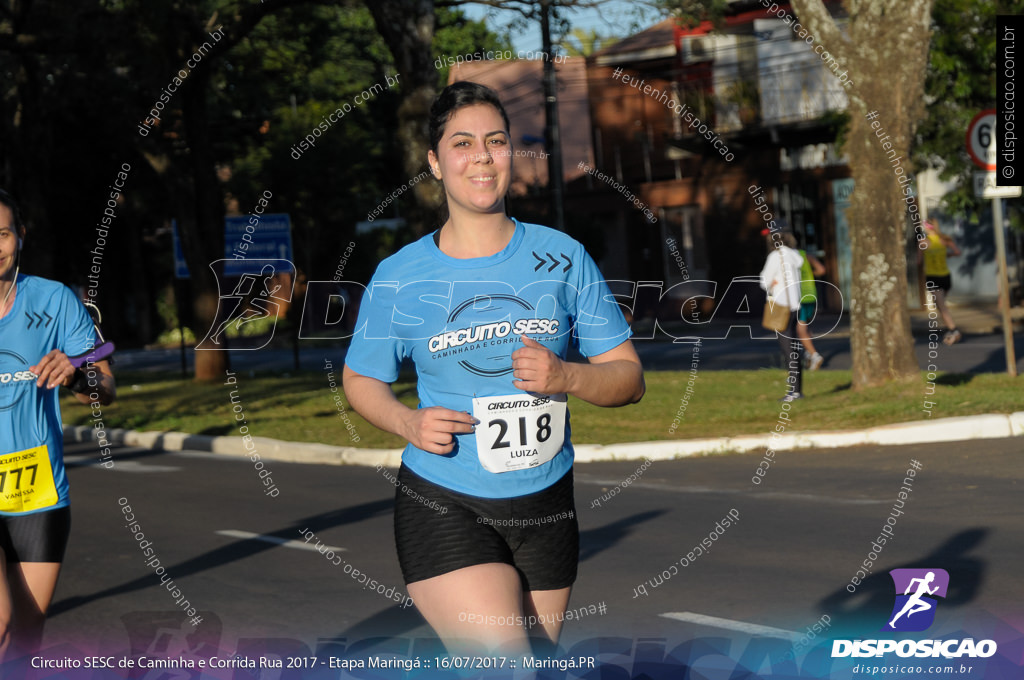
729, 624
283, 542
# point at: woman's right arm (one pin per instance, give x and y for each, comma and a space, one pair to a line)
951, 245
817, 268
431, 429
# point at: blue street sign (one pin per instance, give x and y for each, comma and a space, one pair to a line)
180, 268
248, 246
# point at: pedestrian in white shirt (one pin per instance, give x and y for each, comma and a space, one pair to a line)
780, 278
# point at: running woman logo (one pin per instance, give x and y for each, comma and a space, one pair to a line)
914, 609
253, 297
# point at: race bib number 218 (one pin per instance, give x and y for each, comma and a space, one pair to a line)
519, 431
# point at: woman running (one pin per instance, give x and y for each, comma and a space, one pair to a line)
42, 323
486, 307
938, 281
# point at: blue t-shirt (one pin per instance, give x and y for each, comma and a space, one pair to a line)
45, 316
459, 320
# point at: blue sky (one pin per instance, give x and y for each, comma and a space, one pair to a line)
612, 19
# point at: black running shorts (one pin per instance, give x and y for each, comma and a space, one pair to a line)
944, 283
438, 531
36, 537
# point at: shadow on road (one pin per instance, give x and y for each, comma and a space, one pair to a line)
596, 541
995, 360
235, 551
871, 605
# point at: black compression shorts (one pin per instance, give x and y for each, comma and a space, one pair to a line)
944, 283
36, 537
438, 531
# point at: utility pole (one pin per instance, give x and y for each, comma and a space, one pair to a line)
552, 136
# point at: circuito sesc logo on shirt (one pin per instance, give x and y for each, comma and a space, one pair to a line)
14, 374
485, 325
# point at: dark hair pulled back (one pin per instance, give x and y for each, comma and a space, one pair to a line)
457, 96
7, 200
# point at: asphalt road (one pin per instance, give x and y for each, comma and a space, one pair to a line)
800, 537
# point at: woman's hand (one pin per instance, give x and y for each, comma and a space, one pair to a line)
54, 369
537, 369
612, 378
433, 429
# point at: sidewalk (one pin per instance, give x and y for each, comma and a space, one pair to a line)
971, 320
986, 426
976, 319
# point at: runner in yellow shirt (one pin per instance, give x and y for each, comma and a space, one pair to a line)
936, 273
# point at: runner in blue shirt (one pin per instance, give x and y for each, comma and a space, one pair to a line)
42, 324
487, 307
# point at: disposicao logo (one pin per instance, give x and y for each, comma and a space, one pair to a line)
914, 611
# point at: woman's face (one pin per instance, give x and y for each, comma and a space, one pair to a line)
9, 240
474, 160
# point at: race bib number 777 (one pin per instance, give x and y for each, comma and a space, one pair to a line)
519, 431
26, 480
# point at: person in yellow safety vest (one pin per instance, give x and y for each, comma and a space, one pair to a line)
936, 274
811, 268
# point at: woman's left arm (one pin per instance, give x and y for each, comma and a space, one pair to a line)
56, 369
105, 387
612, 378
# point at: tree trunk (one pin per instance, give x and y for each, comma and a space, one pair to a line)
407, 27
202, 228
885, 54
880, 342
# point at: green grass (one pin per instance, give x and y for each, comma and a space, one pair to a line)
301, 407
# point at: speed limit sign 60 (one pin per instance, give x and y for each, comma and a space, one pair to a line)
981, 142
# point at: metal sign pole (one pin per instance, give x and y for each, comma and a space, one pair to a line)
1004, 288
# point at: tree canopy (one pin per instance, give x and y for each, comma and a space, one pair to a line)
82, 80
961, 82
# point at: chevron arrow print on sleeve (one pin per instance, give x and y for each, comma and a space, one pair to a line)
555, 262
37, 319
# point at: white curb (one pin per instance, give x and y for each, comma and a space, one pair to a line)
987, 426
